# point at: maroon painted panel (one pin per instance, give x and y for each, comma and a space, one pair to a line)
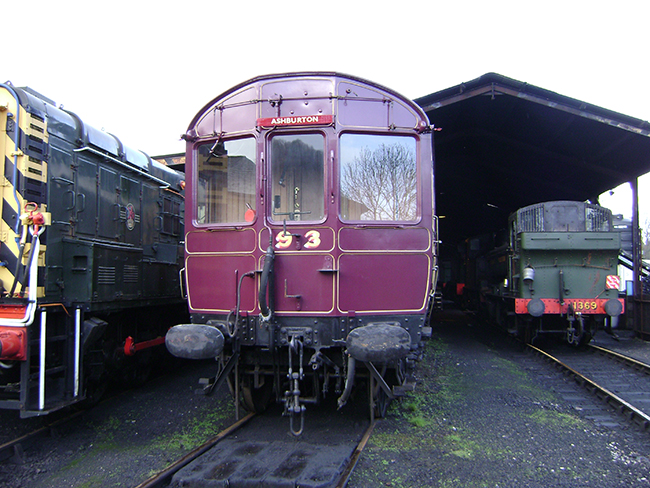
213, 280
238, 115
355, 109
383, 282
376, 239
300, 286
297, 98
304, 239
220, 241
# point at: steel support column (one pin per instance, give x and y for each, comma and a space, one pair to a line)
637, 250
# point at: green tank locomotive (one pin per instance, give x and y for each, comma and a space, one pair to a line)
558, 272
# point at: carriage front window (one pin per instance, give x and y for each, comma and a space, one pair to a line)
226, 181
297, 174
378, 177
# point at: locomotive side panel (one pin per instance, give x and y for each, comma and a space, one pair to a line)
220, 242
297, 97
231, 115
307, 285
107, 203
387, 239
354, 109
86, 190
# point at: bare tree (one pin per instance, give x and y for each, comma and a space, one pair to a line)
383, 181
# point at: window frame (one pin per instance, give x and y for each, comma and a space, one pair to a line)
196, 183
418, 179
276, 219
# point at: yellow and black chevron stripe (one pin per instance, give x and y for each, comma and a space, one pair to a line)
23, 147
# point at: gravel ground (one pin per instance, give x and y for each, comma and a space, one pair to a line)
485, 415
127, 438
482, 415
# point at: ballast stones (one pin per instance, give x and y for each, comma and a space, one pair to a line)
378, 343
194, 341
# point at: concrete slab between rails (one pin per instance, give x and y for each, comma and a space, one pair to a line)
624, 342
243, 464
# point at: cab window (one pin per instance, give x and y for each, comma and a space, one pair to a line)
297, 174
378, 177
226, 181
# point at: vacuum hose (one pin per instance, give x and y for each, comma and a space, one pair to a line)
349, 382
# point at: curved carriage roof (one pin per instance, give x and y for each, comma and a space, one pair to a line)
504, 144
283, 89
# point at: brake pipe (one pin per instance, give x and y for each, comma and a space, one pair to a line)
131, 347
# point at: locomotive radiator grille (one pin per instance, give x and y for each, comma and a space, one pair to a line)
131, 274
597, 219
105, 275
531, 219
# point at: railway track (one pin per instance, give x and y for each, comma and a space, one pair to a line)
13, 450
258, 451
619, 381
164, 477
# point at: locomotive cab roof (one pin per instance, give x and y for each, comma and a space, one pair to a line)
68, 126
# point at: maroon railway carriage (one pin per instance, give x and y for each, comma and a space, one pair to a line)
310, 239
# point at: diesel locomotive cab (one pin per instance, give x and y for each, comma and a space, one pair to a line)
310, 239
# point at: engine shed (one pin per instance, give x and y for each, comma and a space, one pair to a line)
502, 144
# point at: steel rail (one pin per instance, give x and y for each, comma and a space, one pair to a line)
629, 361
604, 394
354, 459
163, 477
14, 449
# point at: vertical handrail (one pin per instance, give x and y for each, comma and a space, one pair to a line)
436, 251
77, 350
41, 366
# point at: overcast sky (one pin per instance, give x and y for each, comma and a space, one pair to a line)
141, 69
